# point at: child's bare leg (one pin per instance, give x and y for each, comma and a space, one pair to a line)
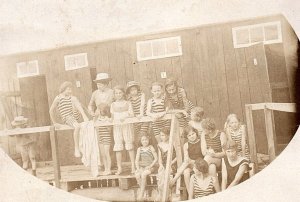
131, 156
32, 158
211, 160
252, 171
187, 176
76, 139
143, 181
102, 154
181, 169
138, 177
25, 157
107, 159
119, 162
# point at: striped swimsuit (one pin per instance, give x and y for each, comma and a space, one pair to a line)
68, 114
237, 137
136, 105
214, 142
200, 192
104, 136
157, 108
146, 157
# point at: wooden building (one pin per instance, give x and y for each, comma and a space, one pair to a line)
222, 67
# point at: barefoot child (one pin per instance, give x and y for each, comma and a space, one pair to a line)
26, 144
145, 160
104, 137
163, 148
137, 100
156, 109
69, 108
120, 110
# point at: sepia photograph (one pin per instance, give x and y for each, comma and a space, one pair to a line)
147, 100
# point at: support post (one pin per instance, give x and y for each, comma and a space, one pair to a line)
173, 134
251, 135
55, 157
270, 131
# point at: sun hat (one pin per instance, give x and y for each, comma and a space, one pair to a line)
102, 77
19, 120
64, 86
131, 84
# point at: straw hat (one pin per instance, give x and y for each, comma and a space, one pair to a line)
102, 77
19, 120
130, 84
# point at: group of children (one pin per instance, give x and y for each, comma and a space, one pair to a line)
204, 146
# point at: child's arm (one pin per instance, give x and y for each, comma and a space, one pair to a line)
52, 109
149, 109
79, 108
191, 188
159, 157
92, 105
112, 111
130, 110
239, 175
223, 142
216, 184
137, 158
203, 144
142, 107
243, 140
186, 157
154, 155
224, 176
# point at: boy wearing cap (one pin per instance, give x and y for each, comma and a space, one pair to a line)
69, 108
26, 144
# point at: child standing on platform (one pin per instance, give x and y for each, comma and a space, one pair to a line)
145, 160
122, 132
137, 100
26, 144
156, 109
104, 137
69, 109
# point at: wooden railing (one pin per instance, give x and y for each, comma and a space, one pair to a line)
270, 126
174, 140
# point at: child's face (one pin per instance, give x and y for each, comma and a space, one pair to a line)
156, 91
196, 171
195, 116
171, 89
145, 141
119, 94
133, 91
68, 91
101, 85
164, 137
233, 123
231, 154
192, 136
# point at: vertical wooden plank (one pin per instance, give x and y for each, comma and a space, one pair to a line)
128, 59
176, 66
55, 157
120, 65
231, 72
173, 135
270, 132
251, 136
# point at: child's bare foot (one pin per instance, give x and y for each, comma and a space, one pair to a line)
107, 172
118, 172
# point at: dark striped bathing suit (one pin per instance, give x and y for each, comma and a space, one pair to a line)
136, 105
232, 170
104, 136
200, 192
214, 143
146, 156
194, 150
157, 108
68, 114
177, 102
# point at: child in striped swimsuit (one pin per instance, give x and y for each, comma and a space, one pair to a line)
237, 132
137, 99
104, 137
69, 108
156, 109
201, 183
122, 132
145, 161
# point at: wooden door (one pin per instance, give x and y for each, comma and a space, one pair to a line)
35, 107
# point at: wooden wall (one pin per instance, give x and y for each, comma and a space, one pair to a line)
216, 76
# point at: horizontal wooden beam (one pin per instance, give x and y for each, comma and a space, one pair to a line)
257, 106
10, 93
283, 107
20, 131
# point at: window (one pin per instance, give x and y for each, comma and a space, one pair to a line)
29, 68
76, 61
266, 33
158, 48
